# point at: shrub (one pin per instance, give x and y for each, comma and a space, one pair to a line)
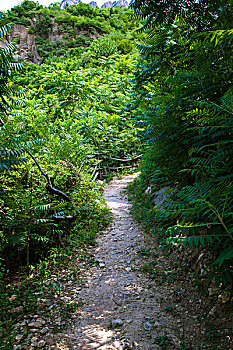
103, 47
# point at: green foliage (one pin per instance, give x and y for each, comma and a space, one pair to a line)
12, 148
79, 119
57, 31
43, 25
103, 47
184, 98
125, 46
83, 10
163, 341
22, 13
69, 128
79, 116
225, 255
25, 205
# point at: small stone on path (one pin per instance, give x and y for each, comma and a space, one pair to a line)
117, 323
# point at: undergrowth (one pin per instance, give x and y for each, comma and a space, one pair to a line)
177, 270
25, 294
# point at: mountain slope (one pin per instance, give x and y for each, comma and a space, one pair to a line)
41, 32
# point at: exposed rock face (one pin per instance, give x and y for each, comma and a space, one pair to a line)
25, 41
66, 3
110, 4
26, 48
93, 4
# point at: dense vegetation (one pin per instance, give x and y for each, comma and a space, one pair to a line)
64, 127
73, 120
183, 92
71, 127
69, 31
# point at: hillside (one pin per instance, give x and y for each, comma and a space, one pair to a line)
41, 32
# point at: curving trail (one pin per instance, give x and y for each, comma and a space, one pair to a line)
121, 306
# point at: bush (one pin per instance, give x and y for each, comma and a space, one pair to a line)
43, 25
124, 46
103, 47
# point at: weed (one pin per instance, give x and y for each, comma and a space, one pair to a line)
169, 308
143, 252
163, 341
211, 335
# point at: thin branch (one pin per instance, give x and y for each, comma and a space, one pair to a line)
127, 160
53, 190
121, 167
49, 186
95, 177
42, 172
81, 166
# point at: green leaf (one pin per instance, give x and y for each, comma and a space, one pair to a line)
225, 255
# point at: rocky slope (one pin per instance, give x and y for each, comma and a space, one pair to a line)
36, 34
25, 41
26, 46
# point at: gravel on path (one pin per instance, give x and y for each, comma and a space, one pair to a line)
121, 305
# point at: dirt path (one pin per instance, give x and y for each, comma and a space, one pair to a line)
113, 304
121, 306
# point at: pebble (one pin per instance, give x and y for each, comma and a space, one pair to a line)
224, 297
49, 340
148, 326
86, 309
128, 321
17, 309
35, 325
117, 323
117, 344
34, 339
19, 337
13, 297
41, 321
44, 330
34, 330
212, 311
132, 305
